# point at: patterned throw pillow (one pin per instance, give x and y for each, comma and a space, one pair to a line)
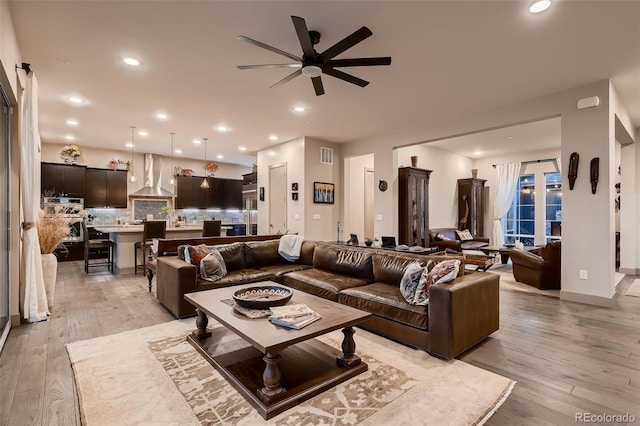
442, 237
443, 272
196, 254
412, 284
212, 266
465, 235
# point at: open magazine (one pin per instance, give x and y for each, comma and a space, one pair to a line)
295, 315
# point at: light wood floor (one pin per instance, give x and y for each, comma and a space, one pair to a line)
567, 358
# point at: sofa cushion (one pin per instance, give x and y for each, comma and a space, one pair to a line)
385, 300
412, 284
279, 270
464, 235
321, 283
306, 253
443, 272
262, 253
195, 254
390, 267
239, 276
355, 262
233, 255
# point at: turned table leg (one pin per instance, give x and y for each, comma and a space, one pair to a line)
149, 277
271, 379
201, 323
348, 358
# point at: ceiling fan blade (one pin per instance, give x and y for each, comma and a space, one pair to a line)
359, 62
346, 43
346, 77
317, 85
250, 67
303, 35
287, 78
270, 48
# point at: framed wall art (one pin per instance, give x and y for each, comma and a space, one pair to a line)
323, 193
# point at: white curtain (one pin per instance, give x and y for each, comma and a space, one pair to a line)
33, 296
506, 184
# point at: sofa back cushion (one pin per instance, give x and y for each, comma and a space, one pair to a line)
390, 268
344, 260
306, 253
262, 253
233, 255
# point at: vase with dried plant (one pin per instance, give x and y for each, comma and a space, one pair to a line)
51, 230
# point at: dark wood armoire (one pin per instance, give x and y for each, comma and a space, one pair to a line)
471, 205
413, 206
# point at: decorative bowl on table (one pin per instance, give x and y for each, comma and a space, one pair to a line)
262, 297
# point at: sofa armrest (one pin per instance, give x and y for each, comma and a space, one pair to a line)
481, 239
175, 278
448, 244
463, 312
526, 259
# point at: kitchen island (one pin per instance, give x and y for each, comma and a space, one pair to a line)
125, 237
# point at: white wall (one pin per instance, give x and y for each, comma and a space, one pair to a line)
354, 172
9, 51
588, 132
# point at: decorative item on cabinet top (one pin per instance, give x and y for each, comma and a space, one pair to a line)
70, 153
211, 167
119, 164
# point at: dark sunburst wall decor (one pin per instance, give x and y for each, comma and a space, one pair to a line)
573, 169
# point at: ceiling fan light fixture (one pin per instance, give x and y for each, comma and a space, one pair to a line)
312, 71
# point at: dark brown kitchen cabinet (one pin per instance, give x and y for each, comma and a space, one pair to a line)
471, 205
231, 194
63, 180
221, 194
184, 192
106, 188
413, 206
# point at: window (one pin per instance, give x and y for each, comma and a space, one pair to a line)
520, 223
553, 214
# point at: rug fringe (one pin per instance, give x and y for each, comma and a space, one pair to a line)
498, 404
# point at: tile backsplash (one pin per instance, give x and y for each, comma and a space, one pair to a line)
108, 216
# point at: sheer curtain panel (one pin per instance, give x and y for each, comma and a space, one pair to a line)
506, 183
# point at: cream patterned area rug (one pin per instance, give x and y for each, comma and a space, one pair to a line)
154, 376
634, 289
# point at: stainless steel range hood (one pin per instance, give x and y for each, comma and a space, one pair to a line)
152, 179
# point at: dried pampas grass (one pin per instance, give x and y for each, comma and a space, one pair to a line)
51, 230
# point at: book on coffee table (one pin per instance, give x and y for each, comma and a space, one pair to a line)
295, 316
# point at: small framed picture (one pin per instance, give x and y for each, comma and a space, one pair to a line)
323, 193
261, 192
294, 186
294, 196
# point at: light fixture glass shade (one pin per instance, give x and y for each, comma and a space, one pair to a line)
204, 184
312, 71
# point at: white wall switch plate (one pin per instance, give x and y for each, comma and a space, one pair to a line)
316, 216
379, 217
584, 274
296, 216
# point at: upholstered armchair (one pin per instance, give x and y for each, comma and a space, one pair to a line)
543, 271
448, 238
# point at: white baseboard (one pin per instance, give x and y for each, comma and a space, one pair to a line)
629, 271
586, 299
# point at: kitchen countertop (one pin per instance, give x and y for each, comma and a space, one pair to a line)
140, 228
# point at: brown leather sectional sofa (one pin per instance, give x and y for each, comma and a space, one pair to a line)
459, 315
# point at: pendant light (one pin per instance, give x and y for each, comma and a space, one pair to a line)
205, 182
172, 181
133, 176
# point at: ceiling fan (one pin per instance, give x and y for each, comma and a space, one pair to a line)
313, 64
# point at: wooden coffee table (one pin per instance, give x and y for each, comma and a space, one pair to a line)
504, 251
276, 368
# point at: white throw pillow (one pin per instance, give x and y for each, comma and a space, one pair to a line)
412, 284
465, 235
212, 266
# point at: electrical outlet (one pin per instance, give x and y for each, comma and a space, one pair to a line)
583, 274
379, 217
296, 216
316, 216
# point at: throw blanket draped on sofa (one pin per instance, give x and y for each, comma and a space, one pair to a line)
290, 246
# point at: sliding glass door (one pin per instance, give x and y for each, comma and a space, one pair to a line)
5, 318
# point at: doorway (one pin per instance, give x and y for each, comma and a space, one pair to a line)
359, 195
5, 273
368, 203
278, 199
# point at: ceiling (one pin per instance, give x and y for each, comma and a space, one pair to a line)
450, 58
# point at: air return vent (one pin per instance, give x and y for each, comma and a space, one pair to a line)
326, 155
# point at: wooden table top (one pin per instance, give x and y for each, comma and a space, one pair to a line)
266, 336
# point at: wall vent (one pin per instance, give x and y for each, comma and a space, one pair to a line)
326, 155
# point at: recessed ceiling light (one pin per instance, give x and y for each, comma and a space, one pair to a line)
197, 141
222, 128
539, 6
75, 100
143, 133
219, 156
273, 137
131, 61
178, 151
242, 148
72, 123
161, 116
70, 138
477, 153
299, 109
128, 145
509, 137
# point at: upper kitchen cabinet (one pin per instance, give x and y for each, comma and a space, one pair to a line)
106, 188
221, 194
63, 180
231, 194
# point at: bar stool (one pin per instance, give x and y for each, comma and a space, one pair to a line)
96, 246
211, 228
152, 229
